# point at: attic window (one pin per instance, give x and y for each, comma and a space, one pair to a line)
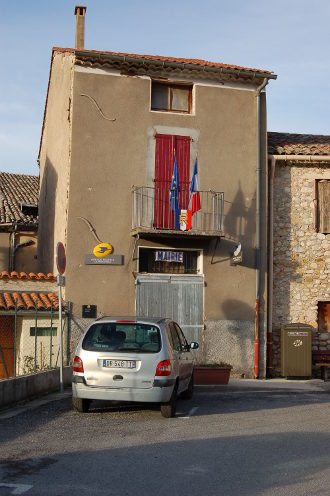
28, 209
169, 97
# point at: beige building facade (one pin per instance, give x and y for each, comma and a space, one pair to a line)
111, 125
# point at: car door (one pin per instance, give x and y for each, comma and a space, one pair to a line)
177, 354
186, 360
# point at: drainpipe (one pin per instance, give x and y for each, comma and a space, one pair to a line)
258, 229
270, 270
17, 247
12, 249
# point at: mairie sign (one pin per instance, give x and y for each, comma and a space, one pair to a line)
169, 256
102, 250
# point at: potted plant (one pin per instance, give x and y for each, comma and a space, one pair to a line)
212, 373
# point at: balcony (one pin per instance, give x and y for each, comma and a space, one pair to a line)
152, 214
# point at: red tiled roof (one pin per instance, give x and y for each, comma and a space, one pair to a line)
27, 301
31, 276
298, 144
179, 60
17, 191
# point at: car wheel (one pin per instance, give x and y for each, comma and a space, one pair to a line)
188, 393
168, 409
80, 404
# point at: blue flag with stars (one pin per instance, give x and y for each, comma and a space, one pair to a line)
174, 195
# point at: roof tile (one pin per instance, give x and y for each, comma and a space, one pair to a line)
10, 305
180, 60
3, 305
19, 299
28, 301
298, 144
31, 276
15, 190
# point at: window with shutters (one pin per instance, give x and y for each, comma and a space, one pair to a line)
323, 205
171, 97
164, 161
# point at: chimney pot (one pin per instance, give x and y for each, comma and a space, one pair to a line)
80, 12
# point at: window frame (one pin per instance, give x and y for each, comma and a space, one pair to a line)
174, 337
102, 337
170, 86
182, 338
317, 204
52, 331
323, 323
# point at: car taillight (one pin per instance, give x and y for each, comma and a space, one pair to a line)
78, 365
164, 368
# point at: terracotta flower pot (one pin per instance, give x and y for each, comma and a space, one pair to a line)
211, 375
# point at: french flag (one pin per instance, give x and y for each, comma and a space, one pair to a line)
194, 200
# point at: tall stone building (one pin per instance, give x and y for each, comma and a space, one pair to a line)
300, 229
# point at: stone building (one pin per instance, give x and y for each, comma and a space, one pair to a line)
19, 194
299, 288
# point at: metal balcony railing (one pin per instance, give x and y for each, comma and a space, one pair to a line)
152, 211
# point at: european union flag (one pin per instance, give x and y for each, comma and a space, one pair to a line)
174, 195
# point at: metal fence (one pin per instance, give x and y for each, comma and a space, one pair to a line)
151, 210
30, 341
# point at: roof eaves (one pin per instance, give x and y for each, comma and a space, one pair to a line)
15, 225
55, 49
144, 60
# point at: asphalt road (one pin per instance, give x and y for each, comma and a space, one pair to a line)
231, 440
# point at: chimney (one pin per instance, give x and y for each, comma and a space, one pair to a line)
80, 12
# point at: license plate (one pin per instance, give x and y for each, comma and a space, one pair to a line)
120, 364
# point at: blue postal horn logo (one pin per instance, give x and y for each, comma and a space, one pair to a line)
102, 250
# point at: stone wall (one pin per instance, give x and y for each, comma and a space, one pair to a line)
230, 341
301, 254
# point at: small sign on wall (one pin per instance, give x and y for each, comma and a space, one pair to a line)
108, 260
238, 259
169, 256
89, 311
237, 256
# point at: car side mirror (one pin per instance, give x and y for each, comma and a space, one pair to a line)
194, 345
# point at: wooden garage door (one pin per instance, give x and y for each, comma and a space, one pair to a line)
7, 346
176, 297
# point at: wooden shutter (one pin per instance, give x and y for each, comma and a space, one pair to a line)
324, 316
164, 161
323, 204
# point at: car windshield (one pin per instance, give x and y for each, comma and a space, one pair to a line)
122, 337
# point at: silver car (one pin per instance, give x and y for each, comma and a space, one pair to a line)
133, 359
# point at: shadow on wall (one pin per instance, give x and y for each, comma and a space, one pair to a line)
47, 200
240, 225
238, 310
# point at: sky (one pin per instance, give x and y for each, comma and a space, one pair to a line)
289, 37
